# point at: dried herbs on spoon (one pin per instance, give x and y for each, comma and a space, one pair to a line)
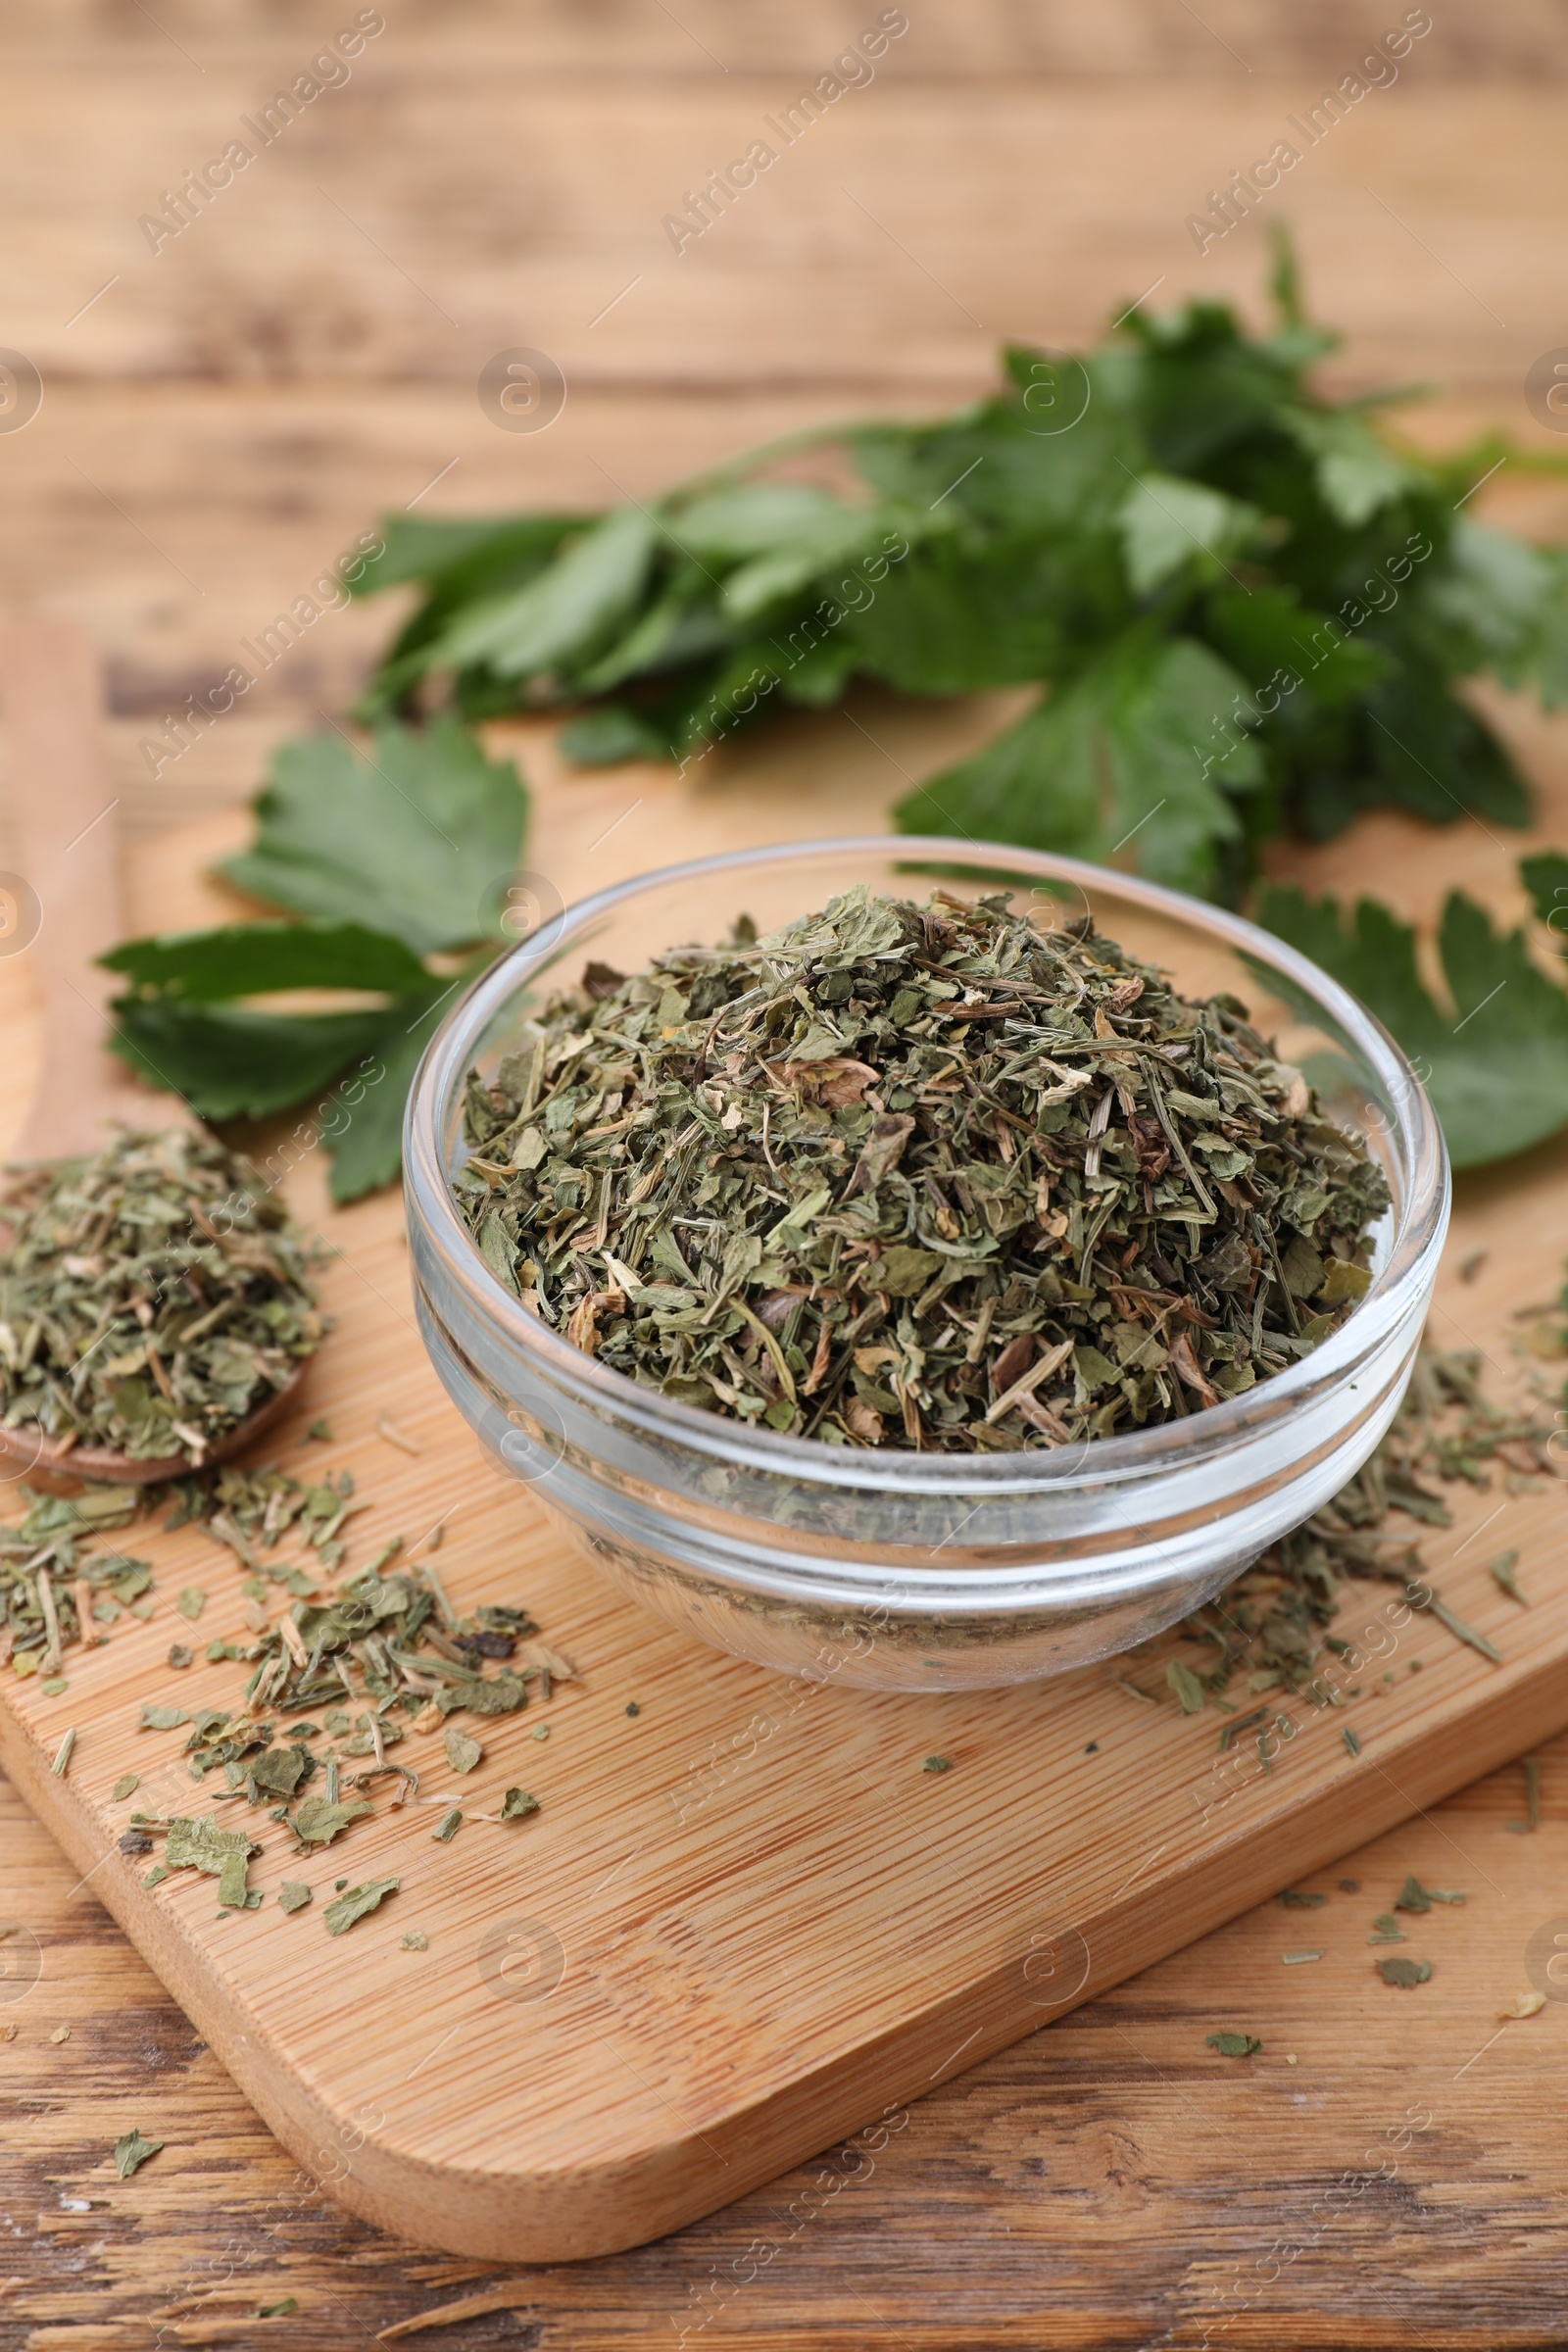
918, 1175
151, 1296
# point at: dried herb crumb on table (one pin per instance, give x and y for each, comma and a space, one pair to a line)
1286, 1624
330, 1684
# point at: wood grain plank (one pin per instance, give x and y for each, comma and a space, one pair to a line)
616, 38
1107, 2184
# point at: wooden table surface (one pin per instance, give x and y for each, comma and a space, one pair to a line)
220, 421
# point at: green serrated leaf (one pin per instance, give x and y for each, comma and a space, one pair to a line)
363, 1130
605, 737
252, 960
567, 613
1113, 763
409, 837
1496, 1062
460, 549
1428, 752
1011, 543
958, 617
1355, 473
1168, 525
232, 1063
1545, 877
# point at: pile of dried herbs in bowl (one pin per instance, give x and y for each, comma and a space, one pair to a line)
152, 1298
916, 1175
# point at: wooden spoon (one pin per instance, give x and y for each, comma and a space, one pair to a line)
51, 699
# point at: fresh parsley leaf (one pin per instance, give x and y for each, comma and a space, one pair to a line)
1186, 483
605, 737
1437, 758
1494, 1056
353, 1068
249, 960
1545, 877
232, 1063
778, 537
365, 1136
1113, 754
390, 858
567, 615
958, 615
409, 837
1165, 523
1354, 474
463, 552
457, 559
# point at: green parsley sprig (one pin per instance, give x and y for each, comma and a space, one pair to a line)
1495, 1055
1250, 609
393, 864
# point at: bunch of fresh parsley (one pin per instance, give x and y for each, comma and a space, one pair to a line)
395, 866
1249, 612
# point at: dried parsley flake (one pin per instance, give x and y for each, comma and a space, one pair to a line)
1234, 2046
132, 2151
358, 1903
1405, 1974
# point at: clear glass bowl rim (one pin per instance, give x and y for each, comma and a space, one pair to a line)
1421, 1216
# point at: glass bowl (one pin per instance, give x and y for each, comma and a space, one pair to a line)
893, 1569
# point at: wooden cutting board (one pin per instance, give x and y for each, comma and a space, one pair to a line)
746, 1922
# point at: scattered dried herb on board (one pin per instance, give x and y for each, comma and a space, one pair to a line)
132, 2151
356, 1903
151, 1296
1276, 1623
55, 1589
918, 1175
1405, 1974
383, 1655
1234, 2046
